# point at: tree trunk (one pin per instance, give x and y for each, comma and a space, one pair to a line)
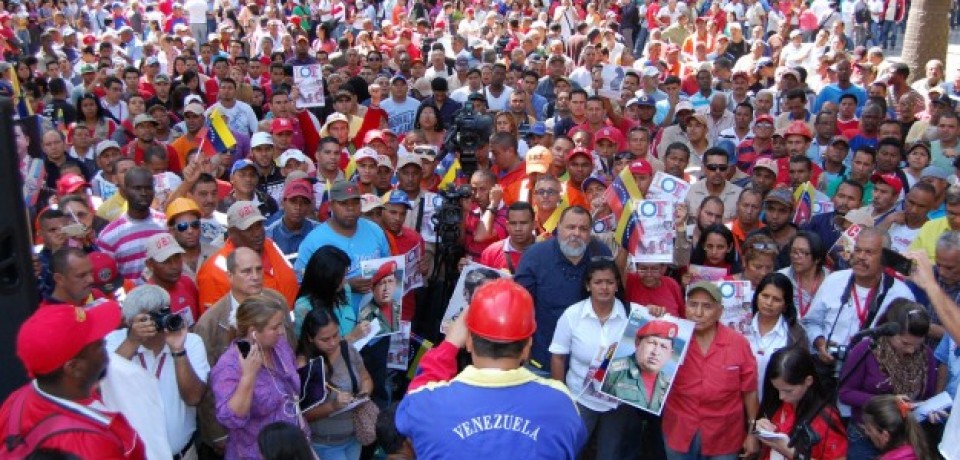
927, 35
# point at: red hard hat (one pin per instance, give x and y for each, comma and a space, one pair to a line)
501, 311
798, 128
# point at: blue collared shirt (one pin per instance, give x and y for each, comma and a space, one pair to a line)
288, 240
555, 284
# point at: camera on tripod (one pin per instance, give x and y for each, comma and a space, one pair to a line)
471, 130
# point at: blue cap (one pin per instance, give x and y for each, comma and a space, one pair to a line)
397, 197
397, 76
728, 146
538, 129
594, 178
240, 164
646, 101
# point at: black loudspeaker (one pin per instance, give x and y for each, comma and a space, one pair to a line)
18, 291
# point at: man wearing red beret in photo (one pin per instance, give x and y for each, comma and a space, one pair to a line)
637, 378
62, 348
384, 307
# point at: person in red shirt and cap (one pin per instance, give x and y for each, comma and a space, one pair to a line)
60, 409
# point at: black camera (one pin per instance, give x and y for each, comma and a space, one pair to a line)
165, 320
839, 352
471, 130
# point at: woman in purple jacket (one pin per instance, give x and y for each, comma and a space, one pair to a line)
900, 365
255, 382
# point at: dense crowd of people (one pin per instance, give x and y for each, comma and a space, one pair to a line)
202, 214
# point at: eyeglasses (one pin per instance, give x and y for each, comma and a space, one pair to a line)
184, 226
765, 246
722, 168
544, 192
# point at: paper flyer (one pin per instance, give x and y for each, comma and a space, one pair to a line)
668, 188
737, 305
384, 302
398, 355
412, 278
309, 81
472, 277
612, 76
657, 231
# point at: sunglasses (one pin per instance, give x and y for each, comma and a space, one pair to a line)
722, 168
547, 192
184, 226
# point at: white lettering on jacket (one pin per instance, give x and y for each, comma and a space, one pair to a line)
504, 422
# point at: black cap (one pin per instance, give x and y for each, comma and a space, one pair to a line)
477, 97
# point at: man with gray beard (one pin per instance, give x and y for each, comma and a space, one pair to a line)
553, 272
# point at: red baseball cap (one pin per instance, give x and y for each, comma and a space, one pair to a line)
298, 187
640, 167
70, 183
889, 179
89, 40
106, 275
608, 133
56, 334
280, 125
763, 118
579, 151
374, 135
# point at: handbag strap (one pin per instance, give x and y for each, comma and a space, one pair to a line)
345, 353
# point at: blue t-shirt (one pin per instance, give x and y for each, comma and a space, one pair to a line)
400, 114
832, 93
367, 243
948, 354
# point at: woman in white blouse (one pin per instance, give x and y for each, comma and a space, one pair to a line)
584, 333
806, 271
775, 324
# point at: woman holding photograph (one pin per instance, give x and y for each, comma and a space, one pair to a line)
585, 331
795, 401
333, 436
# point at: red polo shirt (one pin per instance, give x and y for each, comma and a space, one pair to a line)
184, 296
707, 395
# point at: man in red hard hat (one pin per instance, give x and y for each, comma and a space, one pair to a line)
495, 407
62, 348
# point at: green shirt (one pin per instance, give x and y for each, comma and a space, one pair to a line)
625, 382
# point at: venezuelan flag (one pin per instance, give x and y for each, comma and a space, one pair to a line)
24, 109
803, 196
623, 189
350, 170
551, 224
628, 228
218, 133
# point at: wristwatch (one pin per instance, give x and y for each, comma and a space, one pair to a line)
178, 354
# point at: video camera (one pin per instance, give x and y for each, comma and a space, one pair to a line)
470, 131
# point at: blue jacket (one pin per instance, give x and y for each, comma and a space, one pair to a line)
488, 414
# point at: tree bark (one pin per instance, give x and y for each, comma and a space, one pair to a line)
927, 35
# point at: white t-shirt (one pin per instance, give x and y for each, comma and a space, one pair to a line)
581, 336
197, 10
901, 236
498, 104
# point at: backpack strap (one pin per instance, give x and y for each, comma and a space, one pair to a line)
50, 426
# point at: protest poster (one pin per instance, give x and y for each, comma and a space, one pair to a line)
843, 248
604, 224
612, 76
472, 277
309, 82
383, 304
657, 231
398, 355
737, 305
704, 273
650, 349
822, 207
33, 181
413, 278
668, 188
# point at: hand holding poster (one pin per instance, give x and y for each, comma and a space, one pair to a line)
472, 277
383, 304
657, 232
612, 76
668, 188
308, 80
737, 301
650, 350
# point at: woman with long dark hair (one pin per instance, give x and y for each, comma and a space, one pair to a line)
715, 248
585, 330
324, 286
95, 117
806, 270
333, 436
775, 324
900, 365
796, 402
889, 423
428, 119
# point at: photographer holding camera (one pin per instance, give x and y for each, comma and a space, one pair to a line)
158, 340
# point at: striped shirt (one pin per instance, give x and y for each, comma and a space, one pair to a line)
124, 240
